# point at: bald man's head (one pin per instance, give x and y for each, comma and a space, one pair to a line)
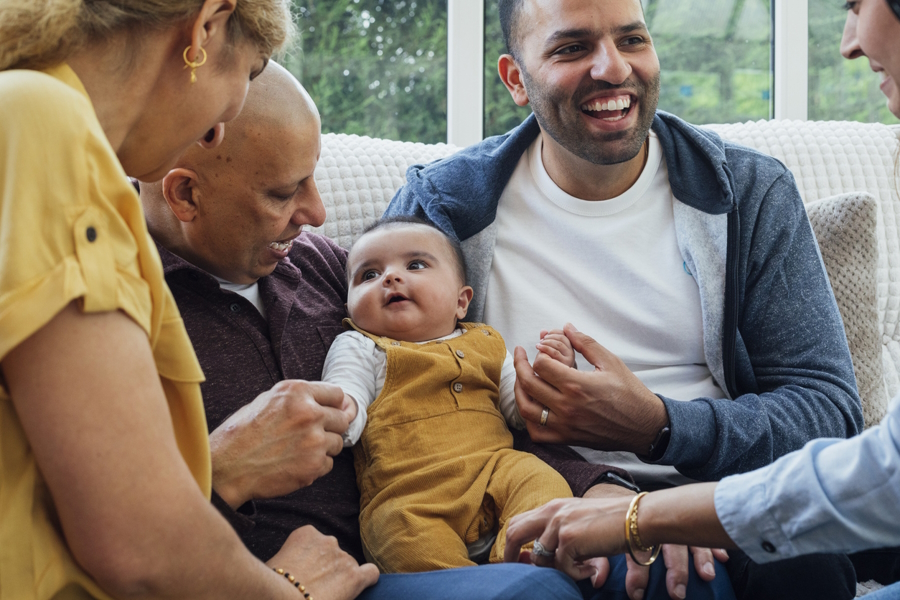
234, 210
275, 100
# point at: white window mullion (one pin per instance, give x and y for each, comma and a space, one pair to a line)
791, 64
465, 78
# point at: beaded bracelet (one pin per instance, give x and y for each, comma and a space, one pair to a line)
632, 537
294, 582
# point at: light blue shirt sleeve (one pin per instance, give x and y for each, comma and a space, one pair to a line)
833, 495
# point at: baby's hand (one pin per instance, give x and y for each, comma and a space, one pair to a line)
349, 408
557, 346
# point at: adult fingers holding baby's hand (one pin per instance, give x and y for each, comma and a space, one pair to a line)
533, 396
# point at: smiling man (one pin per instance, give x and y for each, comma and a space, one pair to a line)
690, 259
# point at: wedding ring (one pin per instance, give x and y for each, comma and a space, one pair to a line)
539, 550
544, 415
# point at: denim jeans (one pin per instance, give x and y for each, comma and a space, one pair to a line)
509, 581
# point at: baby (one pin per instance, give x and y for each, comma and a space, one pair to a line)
429, 398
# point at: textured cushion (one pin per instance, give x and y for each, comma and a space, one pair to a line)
845, 229
358, 176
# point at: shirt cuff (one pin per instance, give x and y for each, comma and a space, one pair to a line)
742, 509
693, 434
355, 429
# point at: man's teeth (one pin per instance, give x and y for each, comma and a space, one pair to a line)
616, 103
281, 246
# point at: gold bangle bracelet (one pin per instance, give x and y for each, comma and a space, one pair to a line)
633, 539
293, 581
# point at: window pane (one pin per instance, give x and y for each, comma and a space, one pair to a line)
840, 89
714, 56
376, 67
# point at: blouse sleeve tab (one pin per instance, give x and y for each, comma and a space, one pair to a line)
93, 247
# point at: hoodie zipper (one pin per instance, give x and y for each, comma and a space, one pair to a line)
729, 340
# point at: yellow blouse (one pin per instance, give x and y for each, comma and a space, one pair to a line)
71, 227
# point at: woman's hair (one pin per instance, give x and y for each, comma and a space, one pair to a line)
37, 34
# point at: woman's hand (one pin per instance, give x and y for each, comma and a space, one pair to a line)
577, 528
319, 564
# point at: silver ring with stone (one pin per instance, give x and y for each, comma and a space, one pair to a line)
544, 415
539, 550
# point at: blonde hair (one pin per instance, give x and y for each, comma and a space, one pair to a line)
36, 34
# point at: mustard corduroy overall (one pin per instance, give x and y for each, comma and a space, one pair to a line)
435, 464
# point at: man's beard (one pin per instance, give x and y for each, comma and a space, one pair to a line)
561, 119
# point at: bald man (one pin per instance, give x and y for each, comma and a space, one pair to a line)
262, 304
225, 222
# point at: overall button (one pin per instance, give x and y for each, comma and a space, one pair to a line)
91, 234
485, 332
768, 547
457, 387
460, 354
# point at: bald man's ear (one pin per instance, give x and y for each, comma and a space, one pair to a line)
179, 187
511, 75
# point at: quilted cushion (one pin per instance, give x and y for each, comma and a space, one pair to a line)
845, 229
358, 176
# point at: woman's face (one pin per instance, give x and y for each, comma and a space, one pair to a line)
873, 30
180, 113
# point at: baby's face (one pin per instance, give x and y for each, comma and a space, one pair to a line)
404, 284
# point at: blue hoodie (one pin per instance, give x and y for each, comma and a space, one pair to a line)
773, 337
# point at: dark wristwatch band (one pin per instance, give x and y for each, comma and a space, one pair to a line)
660, 444
614, 479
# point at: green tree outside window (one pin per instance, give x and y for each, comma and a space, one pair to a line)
375, 67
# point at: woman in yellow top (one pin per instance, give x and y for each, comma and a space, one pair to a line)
104, 457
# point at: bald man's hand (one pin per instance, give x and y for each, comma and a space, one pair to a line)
318, 563
282, 441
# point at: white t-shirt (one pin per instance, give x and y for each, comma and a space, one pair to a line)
250, 291
613, 269
358, 366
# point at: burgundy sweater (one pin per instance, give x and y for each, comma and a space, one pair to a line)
244, 355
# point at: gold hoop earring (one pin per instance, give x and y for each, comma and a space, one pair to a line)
196, 63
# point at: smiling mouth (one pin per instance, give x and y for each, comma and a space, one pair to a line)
281, 246
612, 109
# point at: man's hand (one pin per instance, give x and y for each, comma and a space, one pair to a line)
282, 441
607, 409
321, 567
557, 346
